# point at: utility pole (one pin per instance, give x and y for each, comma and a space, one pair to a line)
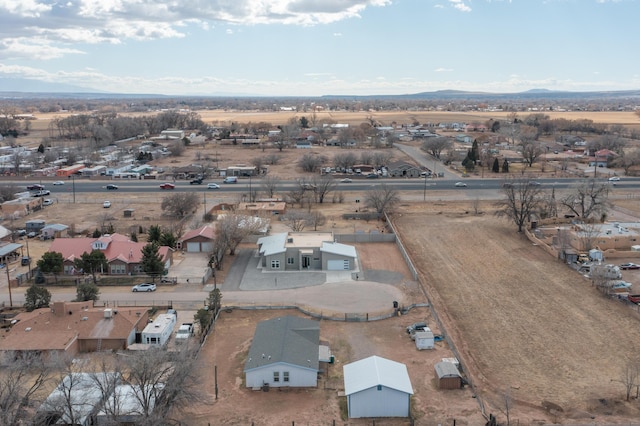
9, 286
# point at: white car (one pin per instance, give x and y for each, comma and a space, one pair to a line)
47, 202
213, 186
58, 182
614, 179
461, 185
346, 180
106, 204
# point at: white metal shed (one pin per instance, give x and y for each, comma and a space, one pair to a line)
377, 387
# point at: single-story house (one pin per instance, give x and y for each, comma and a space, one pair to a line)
284, 353
75, 327
198, 240
447, 375
124, 256
301, 251
20, 207
377, 387
54, 230
262, 208
402, 169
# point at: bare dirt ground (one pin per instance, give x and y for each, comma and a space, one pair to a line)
524, 325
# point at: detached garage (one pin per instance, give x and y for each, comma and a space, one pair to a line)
198, 240
377, 387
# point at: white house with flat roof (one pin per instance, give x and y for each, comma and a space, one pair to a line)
303, 251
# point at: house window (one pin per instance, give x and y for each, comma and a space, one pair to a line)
118, 269
290, 260
379, 387
275, 264
285, 376
276, 376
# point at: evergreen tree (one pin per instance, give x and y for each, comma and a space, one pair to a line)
152, 263
51, 263
154, 234
496, 166
92, 263
36, 297
86, 292
505, 166
134, 237
474, 155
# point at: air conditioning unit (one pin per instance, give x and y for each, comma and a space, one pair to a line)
108, 313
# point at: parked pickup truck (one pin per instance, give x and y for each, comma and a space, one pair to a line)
184, 332
634, 298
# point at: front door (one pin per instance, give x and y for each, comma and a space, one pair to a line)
306, 262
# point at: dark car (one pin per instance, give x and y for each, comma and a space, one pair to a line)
372, 176
25, 260
112, 186
167, 185
35, 187
196, 182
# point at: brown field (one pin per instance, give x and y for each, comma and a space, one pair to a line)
524, 324
384, 117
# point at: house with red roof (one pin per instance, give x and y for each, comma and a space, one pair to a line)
124, 257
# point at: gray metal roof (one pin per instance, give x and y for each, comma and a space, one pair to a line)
374, 371
56, 227
272, 244
9, 248
339, 249
289, 339
446, 369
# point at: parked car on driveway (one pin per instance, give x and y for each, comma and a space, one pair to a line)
112, 187
144, 287
167, 185
629, 265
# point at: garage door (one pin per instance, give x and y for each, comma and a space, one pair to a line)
193, 247
338, 265
207, 247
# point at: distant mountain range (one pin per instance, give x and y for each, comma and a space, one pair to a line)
20, 88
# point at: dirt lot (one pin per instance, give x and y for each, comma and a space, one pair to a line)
524, 325
228, 345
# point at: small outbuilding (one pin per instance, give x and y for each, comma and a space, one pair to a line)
447, 375
377, 387
158, 332
425, 339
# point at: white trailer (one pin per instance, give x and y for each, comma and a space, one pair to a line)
425, 339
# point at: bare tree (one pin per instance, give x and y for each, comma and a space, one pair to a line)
323, 186
627, 160
588, 198
382, 199
8, 192
435, 146
270, 185
22, 376
297, 220
311, 163
236, 228
317, 219
587, 235
531, 151
630, 377
521, 200
180, 204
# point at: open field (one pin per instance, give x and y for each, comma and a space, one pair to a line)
524, 324
223, 117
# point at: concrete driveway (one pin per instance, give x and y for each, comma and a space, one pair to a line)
189, 268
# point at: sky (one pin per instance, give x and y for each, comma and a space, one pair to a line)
322, 47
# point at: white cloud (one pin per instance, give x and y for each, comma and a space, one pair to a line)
460, 5
114, 21
443, 69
